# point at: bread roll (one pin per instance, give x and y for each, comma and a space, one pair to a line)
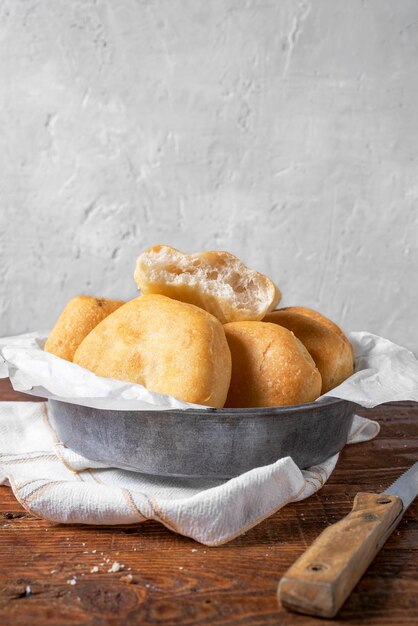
315, 315
270, 367
331, 353
215, 281
167, 346
78, 318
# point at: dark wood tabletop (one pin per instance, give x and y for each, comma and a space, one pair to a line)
175, 580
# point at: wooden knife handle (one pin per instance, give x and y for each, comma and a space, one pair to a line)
321, 579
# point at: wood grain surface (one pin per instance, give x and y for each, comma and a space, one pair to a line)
178, 581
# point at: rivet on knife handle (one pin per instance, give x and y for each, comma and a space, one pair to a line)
319, 582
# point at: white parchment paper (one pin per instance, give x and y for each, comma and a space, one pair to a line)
384, 372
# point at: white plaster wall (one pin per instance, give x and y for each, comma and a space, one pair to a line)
283, 131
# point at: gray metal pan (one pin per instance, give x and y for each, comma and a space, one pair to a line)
213, 443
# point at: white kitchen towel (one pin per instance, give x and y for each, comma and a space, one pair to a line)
56, 484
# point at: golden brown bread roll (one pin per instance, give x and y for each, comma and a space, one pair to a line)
270, 367
318, 317
168, 346
331, 353
79, 317
315, 315
216, 281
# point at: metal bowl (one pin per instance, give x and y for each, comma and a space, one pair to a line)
214, 442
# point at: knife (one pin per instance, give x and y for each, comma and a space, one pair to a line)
320, 581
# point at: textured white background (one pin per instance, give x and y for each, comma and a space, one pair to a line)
283, 131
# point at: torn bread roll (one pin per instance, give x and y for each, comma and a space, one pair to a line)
270, 367
331, 353
167, 346
215, 281
80, 315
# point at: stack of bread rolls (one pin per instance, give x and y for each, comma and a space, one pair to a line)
204, 330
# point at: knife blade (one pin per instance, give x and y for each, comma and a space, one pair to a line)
406, 486
320, 581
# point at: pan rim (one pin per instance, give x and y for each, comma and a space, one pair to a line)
224, 412
308, 406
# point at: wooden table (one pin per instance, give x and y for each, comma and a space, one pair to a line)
178, 581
